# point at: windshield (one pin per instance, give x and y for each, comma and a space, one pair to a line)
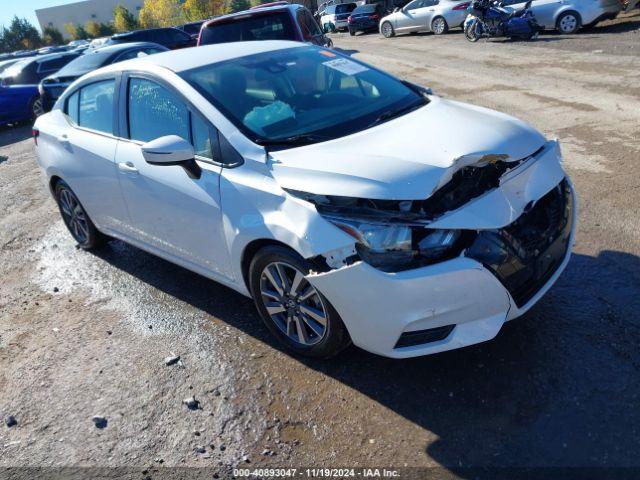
83, 64
274, 26
283, 94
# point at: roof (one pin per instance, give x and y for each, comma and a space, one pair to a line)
188, 58
260, 10
135, 32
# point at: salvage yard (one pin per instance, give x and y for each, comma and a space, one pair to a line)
84, 335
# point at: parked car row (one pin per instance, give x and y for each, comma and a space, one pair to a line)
439, 16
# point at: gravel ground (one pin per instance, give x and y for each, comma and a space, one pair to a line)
84, 334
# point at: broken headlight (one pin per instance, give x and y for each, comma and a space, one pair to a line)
393, 248
390, 235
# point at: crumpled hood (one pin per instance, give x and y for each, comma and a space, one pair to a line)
407, 158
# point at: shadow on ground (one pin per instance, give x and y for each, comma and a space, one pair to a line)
558, 387
10, 134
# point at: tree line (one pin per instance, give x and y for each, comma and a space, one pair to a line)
22, 35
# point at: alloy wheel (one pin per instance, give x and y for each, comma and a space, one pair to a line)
438, 26
293, 304
387, 30
73, 215
37, 108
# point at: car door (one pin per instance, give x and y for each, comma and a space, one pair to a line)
545, 11
86, 145
311, 31
169, 211
409, 18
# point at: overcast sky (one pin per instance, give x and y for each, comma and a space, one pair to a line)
26, 8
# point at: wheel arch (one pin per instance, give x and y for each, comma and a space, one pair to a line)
251, 249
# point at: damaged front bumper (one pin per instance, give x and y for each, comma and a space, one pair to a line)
466, 300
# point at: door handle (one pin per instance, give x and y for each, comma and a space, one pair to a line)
63, 138
127, 167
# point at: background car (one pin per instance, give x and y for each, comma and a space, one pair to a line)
192, 28
365, 18
170, 37
19, 97
567, 16
52, 87
280, 22
4, 64
335, 17
436, 16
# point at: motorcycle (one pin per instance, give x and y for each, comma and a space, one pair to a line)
489, 19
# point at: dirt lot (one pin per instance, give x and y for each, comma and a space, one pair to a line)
85, 334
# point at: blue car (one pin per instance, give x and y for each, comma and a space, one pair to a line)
19, 97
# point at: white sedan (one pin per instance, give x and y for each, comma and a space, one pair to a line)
351, 206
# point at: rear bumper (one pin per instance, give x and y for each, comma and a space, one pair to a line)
473, 296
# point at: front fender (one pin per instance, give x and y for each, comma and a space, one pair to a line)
254, 207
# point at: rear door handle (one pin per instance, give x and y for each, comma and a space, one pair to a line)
127, 167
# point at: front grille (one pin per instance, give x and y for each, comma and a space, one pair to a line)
526, 254
420, 337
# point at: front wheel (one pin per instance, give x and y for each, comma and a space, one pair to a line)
387, 30
471, 33
293, 310
568, 23
439, 26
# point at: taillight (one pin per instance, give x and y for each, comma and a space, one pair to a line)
36, 133
462, 6
374, 17
350, 19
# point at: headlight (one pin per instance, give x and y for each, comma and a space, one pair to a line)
391, 236
393, 248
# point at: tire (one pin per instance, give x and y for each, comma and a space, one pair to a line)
36, 107
352, 32
387, 30
76, 218
439, 26
470, 32
295, 321
568, 23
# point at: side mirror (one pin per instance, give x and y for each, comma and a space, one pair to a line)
397, 9
172, 150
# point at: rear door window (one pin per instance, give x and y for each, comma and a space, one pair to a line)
276, 26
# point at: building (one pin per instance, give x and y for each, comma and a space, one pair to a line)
80, 13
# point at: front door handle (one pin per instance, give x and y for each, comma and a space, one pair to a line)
63, 138
127, 167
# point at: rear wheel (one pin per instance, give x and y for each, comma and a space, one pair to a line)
352, 32
37, 107
293, 310
568, 23
439, 26
76, 219
387, 30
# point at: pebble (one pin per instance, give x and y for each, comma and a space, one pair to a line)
172, 360
245, 458
266, 452
191, 403
56, 289
201, 449
222, 447
216, 393
99, 422
10, 421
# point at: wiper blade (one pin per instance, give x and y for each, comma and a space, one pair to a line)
295, 140
396, 113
